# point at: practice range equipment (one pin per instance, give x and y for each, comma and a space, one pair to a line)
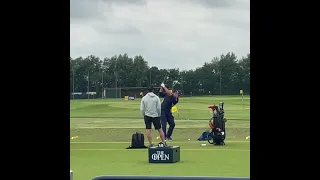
164, 154
137, 141
217, 125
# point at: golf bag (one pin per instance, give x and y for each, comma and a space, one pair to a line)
217, 125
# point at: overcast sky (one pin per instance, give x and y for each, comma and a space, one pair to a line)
167, 33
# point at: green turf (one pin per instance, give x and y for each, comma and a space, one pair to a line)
99, 130
188, 108
88, 160
104, 128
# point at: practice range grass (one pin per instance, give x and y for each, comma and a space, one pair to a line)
104, 128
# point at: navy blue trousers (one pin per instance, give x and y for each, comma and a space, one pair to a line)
166, 117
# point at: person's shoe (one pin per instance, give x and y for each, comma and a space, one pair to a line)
168, 139
151, 145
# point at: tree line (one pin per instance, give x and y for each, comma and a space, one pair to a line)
224, 75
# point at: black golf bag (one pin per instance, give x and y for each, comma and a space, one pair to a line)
217, 125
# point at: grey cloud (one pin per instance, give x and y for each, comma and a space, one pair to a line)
83, 9
211, 3
136, 2
232, 23
168, 33
86, 10
125, 30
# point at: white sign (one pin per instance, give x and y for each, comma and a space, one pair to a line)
77, 93
160, 156
91, 93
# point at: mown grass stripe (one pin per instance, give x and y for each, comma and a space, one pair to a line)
180, 142
244, 150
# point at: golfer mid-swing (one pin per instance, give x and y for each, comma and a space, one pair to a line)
169, 100
151, 109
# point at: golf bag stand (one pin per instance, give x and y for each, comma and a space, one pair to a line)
217, 125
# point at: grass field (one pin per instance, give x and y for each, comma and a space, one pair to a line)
104, 128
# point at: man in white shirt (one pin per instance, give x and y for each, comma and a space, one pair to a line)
150, 108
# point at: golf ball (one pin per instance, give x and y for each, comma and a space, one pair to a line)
189, 139
203, 144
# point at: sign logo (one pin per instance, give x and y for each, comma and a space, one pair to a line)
160, 156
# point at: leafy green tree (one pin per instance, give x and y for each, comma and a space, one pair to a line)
222, 75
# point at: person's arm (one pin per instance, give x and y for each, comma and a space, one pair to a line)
142, 109
161, 93
165, 89
175, 101
159, 107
